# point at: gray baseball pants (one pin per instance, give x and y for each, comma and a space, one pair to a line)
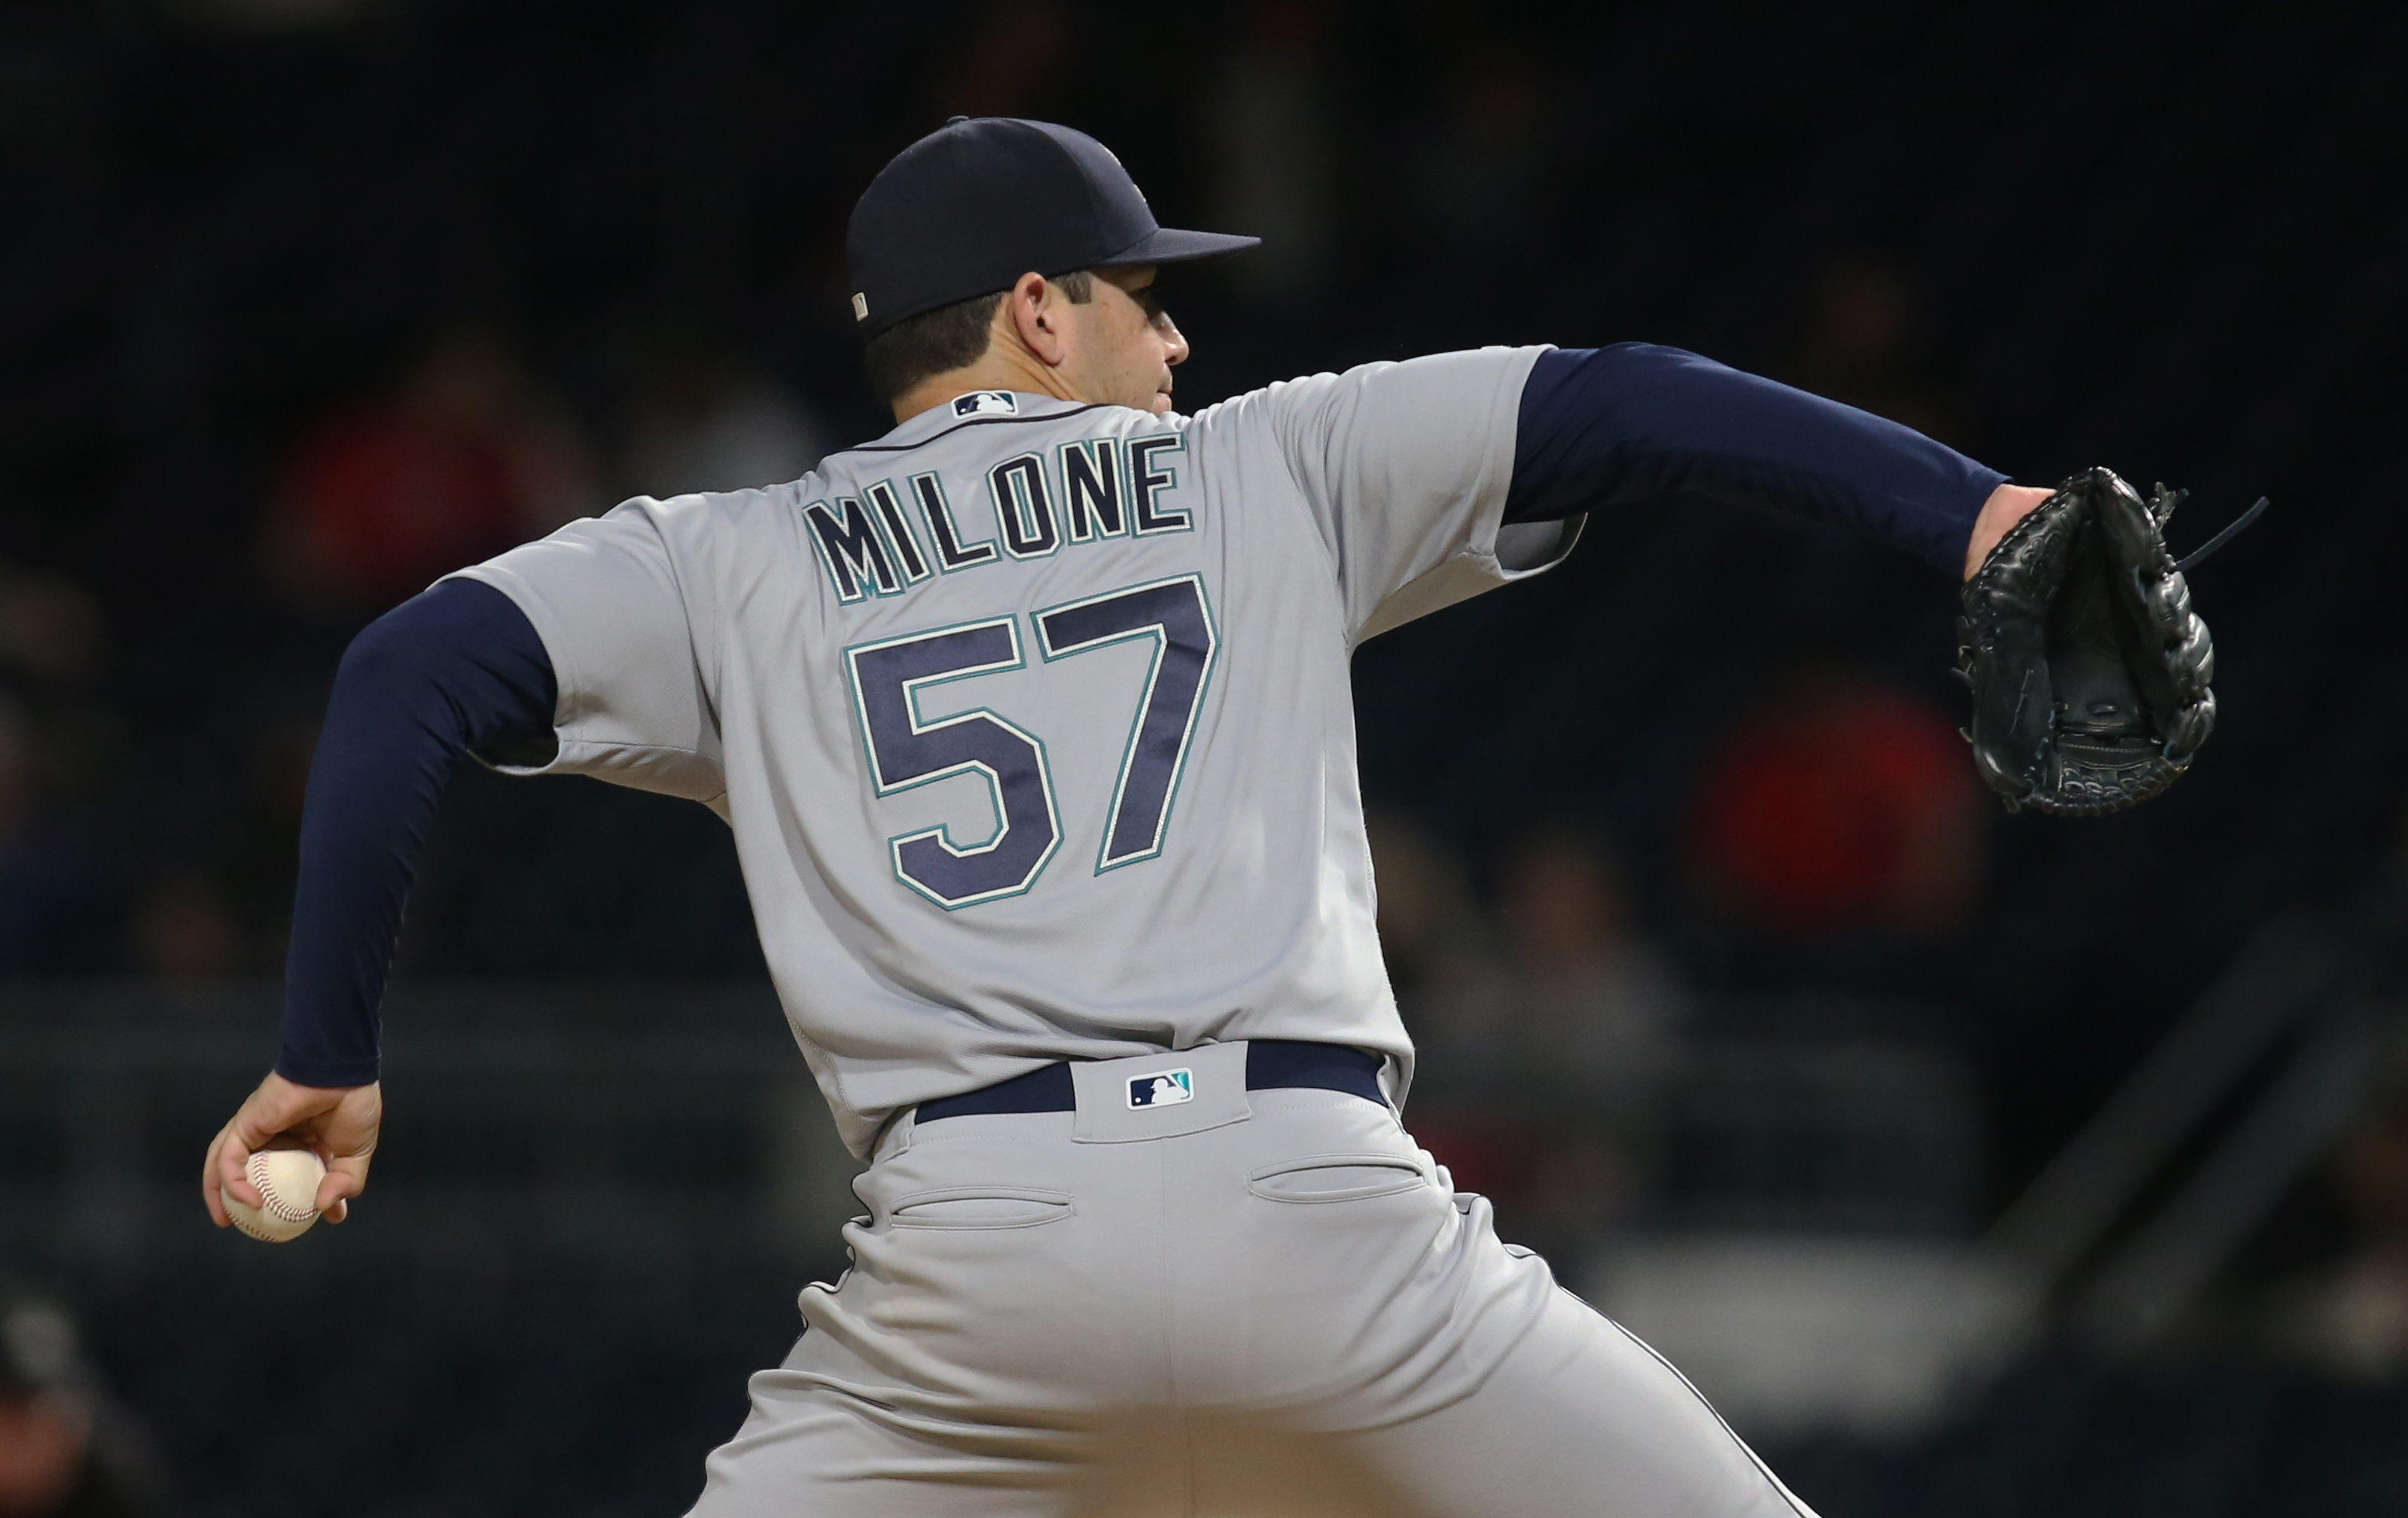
1030, 1287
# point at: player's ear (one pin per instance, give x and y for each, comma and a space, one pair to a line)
1034, 305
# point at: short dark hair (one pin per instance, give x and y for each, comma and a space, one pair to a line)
949, 338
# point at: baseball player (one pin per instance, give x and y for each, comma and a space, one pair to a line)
1031, 721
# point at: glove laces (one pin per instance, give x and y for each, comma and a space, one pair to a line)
2162, 507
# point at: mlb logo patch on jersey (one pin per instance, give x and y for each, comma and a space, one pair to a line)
986, 403
1166, 1088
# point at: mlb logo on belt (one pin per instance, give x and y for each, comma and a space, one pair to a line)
986, 403
1168, 1088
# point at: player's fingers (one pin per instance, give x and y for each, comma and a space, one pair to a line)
234, 1159
212, 1178
346, 1178
276, 1106
347, 1138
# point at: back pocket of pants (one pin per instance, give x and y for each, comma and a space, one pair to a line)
979, 1207
1336, 1178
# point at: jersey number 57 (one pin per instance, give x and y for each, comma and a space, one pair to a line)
906, 750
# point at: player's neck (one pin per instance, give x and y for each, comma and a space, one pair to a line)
1002, 366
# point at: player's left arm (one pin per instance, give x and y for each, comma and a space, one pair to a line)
571, 655
1605, 426
456, 671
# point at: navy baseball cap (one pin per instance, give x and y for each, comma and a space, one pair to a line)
976, 204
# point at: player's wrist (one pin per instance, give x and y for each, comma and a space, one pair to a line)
2008, 504
326, 1074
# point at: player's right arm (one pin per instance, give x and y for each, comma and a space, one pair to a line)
457, 670
1605, 426
1440, 477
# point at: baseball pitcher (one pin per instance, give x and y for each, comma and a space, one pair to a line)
1031, 723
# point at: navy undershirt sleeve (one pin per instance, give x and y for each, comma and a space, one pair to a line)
455, 670
1604, 427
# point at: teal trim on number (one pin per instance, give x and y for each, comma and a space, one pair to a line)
1159, 637
912, 689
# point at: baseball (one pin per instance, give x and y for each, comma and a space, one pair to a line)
287, 1179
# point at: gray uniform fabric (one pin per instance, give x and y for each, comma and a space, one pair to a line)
1033, 725
1299, 1260
1088, 792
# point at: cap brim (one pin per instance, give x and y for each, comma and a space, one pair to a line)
1171, 245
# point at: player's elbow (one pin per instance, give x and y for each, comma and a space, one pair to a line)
394, 651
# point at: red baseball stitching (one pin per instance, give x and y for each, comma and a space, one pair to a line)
283, 1210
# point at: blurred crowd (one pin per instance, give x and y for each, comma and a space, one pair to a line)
1838, 813
2347, 1312
467, 454
67, 1449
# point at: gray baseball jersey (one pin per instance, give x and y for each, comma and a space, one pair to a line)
1032, 719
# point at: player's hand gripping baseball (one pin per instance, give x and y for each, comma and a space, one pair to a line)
339, 1123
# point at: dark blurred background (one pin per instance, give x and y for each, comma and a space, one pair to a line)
1991, 1164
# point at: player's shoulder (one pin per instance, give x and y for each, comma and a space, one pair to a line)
711, 511
1470, 370
710, 531
1384, 402
1282, 415
1250, 404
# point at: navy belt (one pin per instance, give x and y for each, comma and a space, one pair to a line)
1270, 1064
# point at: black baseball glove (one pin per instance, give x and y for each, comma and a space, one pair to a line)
2088, 667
